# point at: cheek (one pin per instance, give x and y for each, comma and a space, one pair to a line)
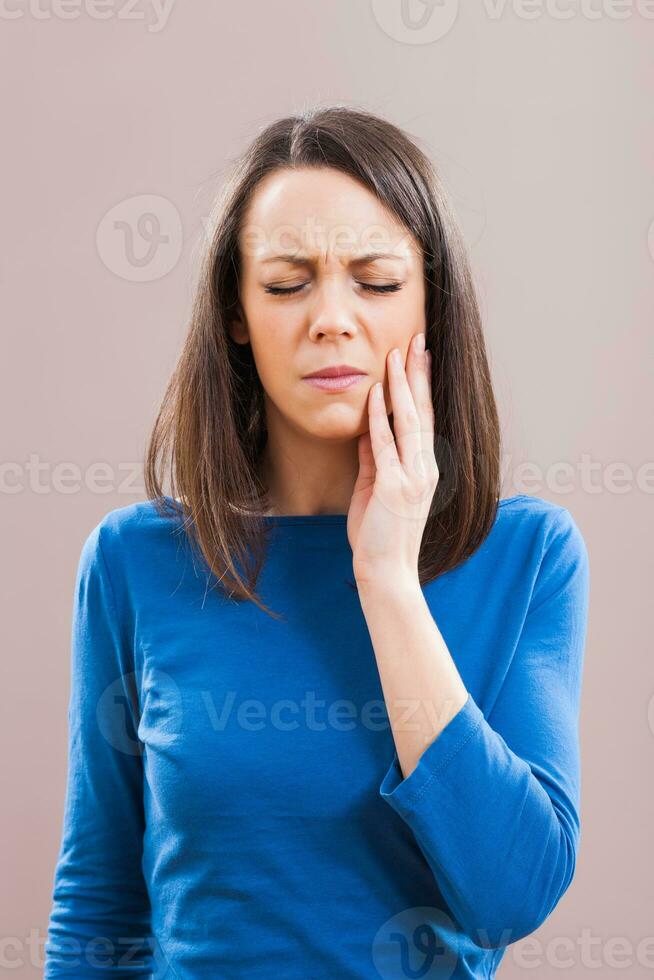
275, 359
397, 327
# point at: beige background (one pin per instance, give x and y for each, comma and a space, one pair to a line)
541, 125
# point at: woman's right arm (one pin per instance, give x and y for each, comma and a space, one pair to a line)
100, 914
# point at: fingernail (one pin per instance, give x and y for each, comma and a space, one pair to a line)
396, 357
420, 343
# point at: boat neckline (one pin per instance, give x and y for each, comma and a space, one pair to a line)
327, 519
304, 519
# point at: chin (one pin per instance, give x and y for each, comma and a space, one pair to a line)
341, 430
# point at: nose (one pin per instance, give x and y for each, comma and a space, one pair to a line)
331, 314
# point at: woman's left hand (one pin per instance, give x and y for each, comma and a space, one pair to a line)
398, 474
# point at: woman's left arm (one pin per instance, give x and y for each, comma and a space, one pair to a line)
492, 801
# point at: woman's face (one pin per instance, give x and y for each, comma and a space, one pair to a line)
356, 290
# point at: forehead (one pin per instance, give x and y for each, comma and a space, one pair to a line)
320, 213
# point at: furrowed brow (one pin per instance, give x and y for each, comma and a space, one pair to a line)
295, 258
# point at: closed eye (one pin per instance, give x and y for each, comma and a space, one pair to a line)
391, 287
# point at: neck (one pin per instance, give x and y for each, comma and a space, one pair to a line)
309, 475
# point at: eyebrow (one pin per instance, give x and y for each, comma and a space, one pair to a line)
299, 259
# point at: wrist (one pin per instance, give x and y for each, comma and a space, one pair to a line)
388, 582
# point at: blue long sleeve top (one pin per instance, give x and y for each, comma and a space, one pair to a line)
235, 807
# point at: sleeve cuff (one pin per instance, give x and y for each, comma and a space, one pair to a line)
403, 792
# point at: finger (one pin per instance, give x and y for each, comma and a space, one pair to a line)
382, 440
367, 468
406, 420
419, 378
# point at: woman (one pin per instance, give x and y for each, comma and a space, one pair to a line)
325, 695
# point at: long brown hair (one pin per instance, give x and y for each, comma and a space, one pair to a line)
211, 429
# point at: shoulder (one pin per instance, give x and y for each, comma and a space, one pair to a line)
128, 530
528, 506
549, 522
558, 550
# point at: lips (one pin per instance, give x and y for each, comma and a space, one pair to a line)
337, 371
339, 382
